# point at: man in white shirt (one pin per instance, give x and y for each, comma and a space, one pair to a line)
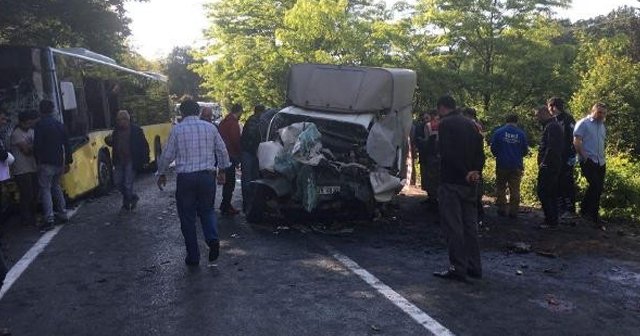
198, 151
589, 140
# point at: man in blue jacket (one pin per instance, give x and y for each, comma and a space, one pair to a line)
53, 155
509, 145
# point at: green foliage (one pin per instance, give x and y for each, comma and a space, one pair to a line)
99, 25
178, 66
253, 43
608, 74
244, 63
496, 56
621, 196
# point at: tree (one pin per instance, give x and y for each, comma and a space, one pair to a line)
99, 25
498, 54
182, 79
608, 74
623, 20
252, 43
242, 62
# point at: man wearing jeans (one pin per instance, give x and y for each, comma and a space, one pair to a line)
462, 161
130, 154
589, 140
195, 145
509, 146
53, 155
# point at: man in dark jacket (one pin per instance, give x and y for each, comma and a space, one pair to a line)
130, 154
250, 140
462, 161
53, 154
550, 165
566, 180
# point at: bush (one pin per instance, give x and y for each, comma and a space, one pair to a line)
621, 197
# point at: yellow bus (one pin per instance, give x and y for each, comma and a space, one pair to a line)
88, 89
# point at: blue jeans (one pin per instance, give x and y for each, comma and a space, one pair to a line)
195, 195
50, 190
250, 172
123, 177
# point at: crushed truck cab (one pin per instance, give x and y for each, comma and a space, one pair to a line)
342, 142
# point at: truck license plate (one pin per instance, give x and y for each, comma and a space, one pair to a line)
328, 190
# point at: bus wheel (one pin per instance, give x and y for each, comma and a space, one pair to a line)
105, 174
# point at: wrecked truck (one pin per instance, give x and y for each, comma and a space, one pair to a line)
341, 144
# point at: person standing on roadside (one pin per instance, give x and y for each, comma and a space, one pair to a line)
207, 115
472, 115
419, 144
509, 145
198, 150
250, 140
550, 164
432, 158
462, 161
589, 139
6, 159
130, 154
230, 132
567, 180
25, 169
53, 154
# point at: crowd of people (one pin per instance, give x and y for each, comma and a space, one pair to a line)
451, 154
449, 142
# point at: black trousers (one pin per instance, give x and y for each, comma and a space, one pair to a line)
28, 189
548, 194
459, 217
594, 173
3, 267
229, 185
567, 189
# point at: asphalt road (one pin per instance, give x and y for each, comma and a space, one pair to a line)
114, 273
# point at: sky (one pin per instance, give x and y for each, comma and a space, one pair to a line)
159, 25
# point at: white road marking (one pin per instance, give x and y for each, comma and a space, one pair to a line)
398, 300
16, 271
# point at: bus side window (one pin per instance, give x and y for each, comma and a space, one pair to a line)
97, 103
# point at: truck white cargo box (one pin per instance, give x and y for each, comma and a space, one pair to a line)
350, 89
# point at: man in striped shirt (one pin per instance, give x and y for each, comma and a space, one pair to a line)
198, 150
